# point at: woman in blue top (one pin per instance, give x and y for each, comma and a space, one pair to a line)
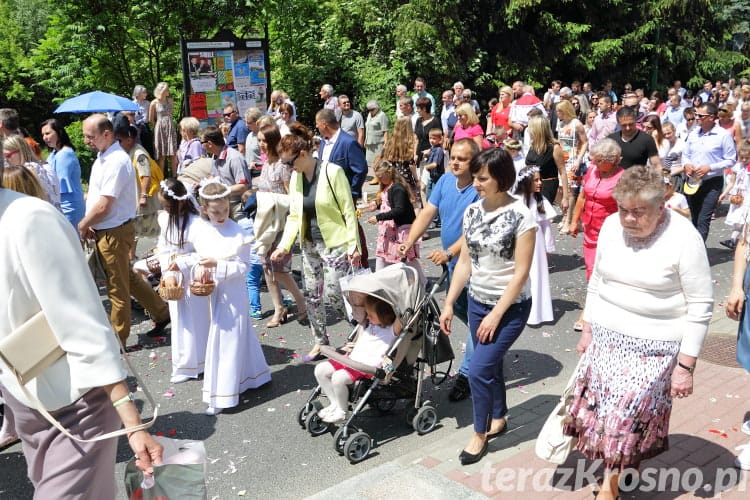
64, 161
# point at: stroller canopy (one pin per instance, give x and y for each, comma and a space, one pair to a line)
398, 285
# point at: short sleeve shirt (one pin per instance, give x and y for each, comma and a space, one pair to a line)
113, 175
491, 238
637, 150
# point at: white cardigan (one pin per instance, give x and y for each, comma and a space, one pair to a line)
663, 292
44, 269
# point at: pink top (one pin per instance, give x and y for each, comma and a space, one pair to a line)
467, 133
598, 203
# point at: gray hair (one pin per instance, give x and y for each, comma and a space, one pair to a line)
642, 182
328, 88
401, 88
137, 91
253, 115
190, 125
406, 100
372, 104
606, 147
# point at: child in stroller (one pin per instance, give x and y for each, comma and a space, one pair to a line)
371, 344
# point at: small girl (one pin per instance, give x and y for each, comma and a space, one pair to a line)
394, 220
529, 187
178, 223
234, 358
737, 190
674, 200
369, 348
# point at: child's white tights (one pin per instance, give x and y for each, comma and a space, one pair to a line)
334, 384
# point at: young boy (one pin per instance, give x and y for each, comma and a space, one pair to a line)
434, 165
674, 200
737, 190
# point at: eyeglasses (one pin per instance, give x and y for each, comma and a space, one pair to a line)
290, 163
689, 119
701, 115
8, 154
226, 115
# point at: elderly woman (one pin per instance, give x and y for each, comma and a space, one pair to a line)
468, 125
642, 332
321, 212
19, 153
498, 246
376, 132
190, 148
595, 201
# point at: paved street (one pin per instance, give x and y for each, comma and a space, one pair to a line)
258, 450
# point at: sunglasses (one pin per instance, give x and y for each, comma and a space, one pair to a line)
225, 115
701, 115
290, 163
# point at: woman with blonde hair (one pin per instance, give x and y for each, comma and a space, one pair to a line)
501, 111
399, 150
574, 143
22, 180
548, 155
394, 220
163, 125
468, 126
18, 153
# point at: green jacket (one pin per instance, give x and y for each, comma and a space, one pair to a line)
335, 211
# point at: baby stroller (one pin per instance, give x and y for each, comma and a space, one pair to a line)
400, 376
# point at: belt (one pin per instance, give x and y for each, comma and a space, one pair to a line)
116, 227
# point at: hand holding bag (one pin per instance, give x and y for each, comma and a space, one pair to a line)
180, 476
552, 445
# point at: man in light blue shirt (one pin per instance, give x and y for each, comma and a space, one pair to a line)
673, 112
420, 90
709, 151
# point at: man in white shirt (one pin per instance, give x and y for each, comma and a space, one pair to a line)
110, 213
447, 110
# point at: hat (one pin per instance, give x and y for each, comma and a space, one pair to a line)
566, 92
692, 185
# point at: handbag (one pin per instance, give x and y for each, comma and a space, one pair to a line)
32, 348
436, 345
94, 260
180, 476
551, 444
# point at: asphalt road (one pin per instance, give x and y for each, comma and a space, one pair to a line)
258, 450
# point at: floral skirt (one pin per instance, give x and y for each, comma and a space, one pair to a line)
621, 405
390, 238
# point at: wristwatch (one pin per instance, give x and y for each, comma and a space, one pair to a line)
448, 254
689, 369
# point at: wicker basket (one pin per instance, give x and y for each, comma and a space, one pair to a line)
736, 199
202, 280
170, 286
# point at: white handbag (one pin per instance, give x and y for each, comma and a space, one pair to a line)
552, 445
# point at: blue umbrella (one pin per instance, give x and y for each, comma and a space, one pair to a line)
96, 102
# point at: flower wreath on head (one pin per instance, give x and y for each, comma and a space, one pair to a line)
168, 191
213, 180
527, 172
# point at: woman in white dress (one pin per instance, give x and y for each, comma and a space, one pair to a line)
234, 358
529, 189
190, 321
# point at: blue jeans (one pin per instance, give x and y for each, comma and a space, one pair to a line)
253, 280
460, 310
486, 371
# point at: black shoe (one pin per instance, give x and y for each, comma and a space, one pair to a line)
467, 458
729, 244
158, 328
461, 389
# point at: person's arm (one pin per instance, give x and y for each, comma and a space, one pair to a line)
96, 214
152, 113
523, 255
736, 299
398, 199
461, 274
731, 178
737, 135
574, 220
148, 451
358, 166
583, 142
361, 136
559, 157
479, 138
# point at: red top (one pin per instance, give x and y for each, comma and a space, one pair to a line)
499, 116
599, 203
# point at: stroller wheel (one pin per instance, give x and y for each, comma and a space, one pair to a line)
314, 425
385, 405
425, 420
302, 416
411, 412
357, 447
340, 437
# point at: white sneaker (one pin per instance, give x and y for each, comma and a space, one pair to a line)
743, 459
326, 411
211, 411
336, 416
746, 427
178, 379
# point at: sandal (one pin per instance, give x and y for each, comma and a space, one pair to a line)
278, 319
302, 318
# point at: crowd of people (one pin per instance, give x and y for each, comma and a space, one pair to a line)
243, 192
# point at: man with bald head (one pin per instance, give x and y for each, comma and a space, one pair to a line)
110, 213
